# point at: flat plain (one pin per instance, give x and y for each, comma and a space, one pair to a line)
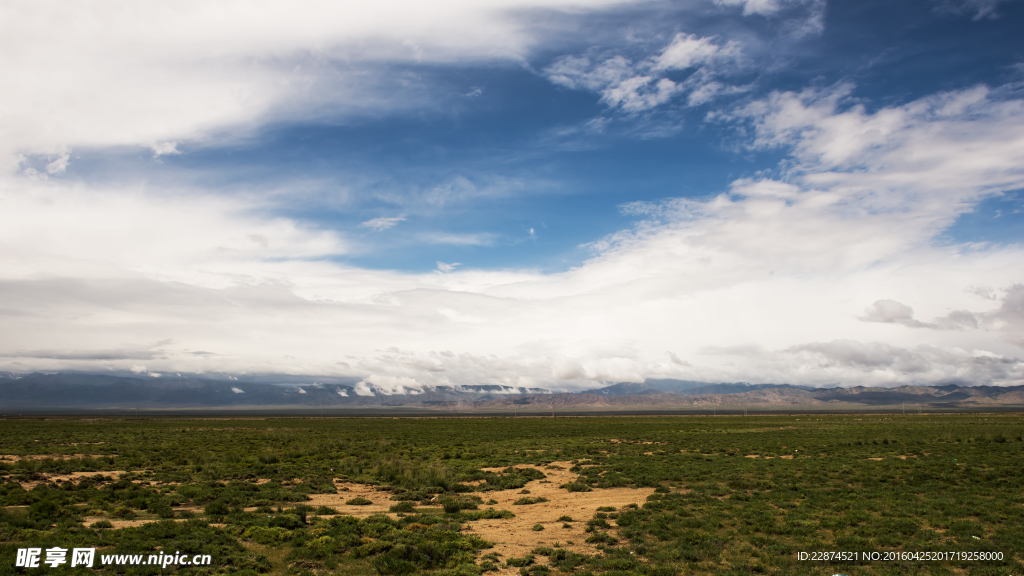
656, 495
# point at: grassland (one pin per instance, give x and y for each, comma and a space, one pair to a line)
715, 495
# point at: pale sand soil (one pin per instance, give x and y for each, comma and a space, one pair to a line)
88, 520
515, 538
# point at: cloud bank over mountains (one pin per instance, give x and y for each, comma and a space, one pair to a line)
830, 268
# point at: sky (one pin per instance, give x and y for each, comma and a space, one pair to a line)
561, 194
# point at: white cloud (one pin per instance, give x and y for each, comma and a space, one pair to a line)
764, 7
980, 9
637, 86
812, 23
891, 312
458, 238
363, 389
378, 224
757, 284
764, 282
237, 390
445, 267
689, 50
144, 73
59, 165
164, 149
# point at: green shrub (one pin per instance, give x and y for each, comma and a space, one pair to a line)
576, 487
358, 501
286, 521
529, 500
454, 505
406, 507
601, 538
217, 508
520, 562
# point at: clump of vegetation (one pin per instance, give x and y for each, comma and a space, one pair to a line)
358, 501
526, 500
404, 507
576, 487
538, 527
452, 505
520, 562
601, 538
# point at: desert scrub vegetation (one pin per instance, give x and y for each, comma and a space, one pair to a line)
527, 500
731, 494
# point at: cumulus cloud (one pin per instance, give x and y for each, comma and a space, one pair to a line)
363, 389
891, 312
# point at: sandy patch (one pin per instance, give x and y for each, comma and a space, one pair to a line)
876, 459
515, 537
116, 524
347, 491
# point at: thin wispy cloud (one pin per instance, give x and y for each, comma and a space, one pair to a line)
383, 223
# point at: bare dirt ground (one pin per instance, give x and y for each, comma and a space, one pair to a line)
349, 490
88, 521
515, 537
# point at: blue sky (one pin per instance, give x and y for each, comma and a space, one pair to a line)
542, 194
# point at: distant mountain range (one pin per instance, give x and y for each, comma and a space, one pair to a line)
73, 391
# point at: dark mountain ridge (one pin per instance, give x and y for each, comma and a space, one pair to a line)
39, 391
